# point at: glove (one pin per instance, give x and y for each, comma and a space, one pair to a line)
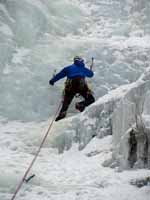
51, 82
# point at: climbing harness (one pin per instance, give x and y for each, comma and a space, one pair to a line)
25, 179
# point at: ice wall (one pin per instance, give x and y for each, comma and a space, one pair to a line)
39, 36
31, 37
130, 132
95, 121
122, 113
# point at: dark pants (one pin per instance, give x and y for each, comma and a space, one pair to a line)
73, 87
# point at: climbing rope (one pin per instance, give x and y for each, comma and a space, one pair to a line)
35, 157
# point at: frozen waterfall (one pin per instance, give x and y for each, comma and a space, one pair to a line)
38, 37
88, 155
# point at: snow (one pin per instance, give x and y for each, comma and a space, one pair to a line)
86, 156
74, 174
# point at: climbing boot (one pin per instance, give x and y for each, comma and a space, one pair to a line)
80, 106
60, 116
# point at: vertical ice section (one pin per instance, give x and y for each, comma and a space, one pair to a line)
120, 114
95, 121
130, 131
39, 36
31, 37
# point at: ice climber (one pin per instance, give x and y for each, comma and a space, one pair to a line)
75, 84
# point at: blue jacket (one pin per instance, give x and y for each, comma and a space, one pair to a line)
75, 70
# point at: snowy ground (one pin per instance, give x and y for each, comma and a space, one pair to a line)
72, 175
117, 34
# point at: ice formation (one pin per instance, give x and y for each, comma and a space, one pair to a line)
97, 148
34, 39
118, 113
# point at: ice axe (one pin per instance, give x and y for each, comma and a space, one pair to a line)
92, 63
